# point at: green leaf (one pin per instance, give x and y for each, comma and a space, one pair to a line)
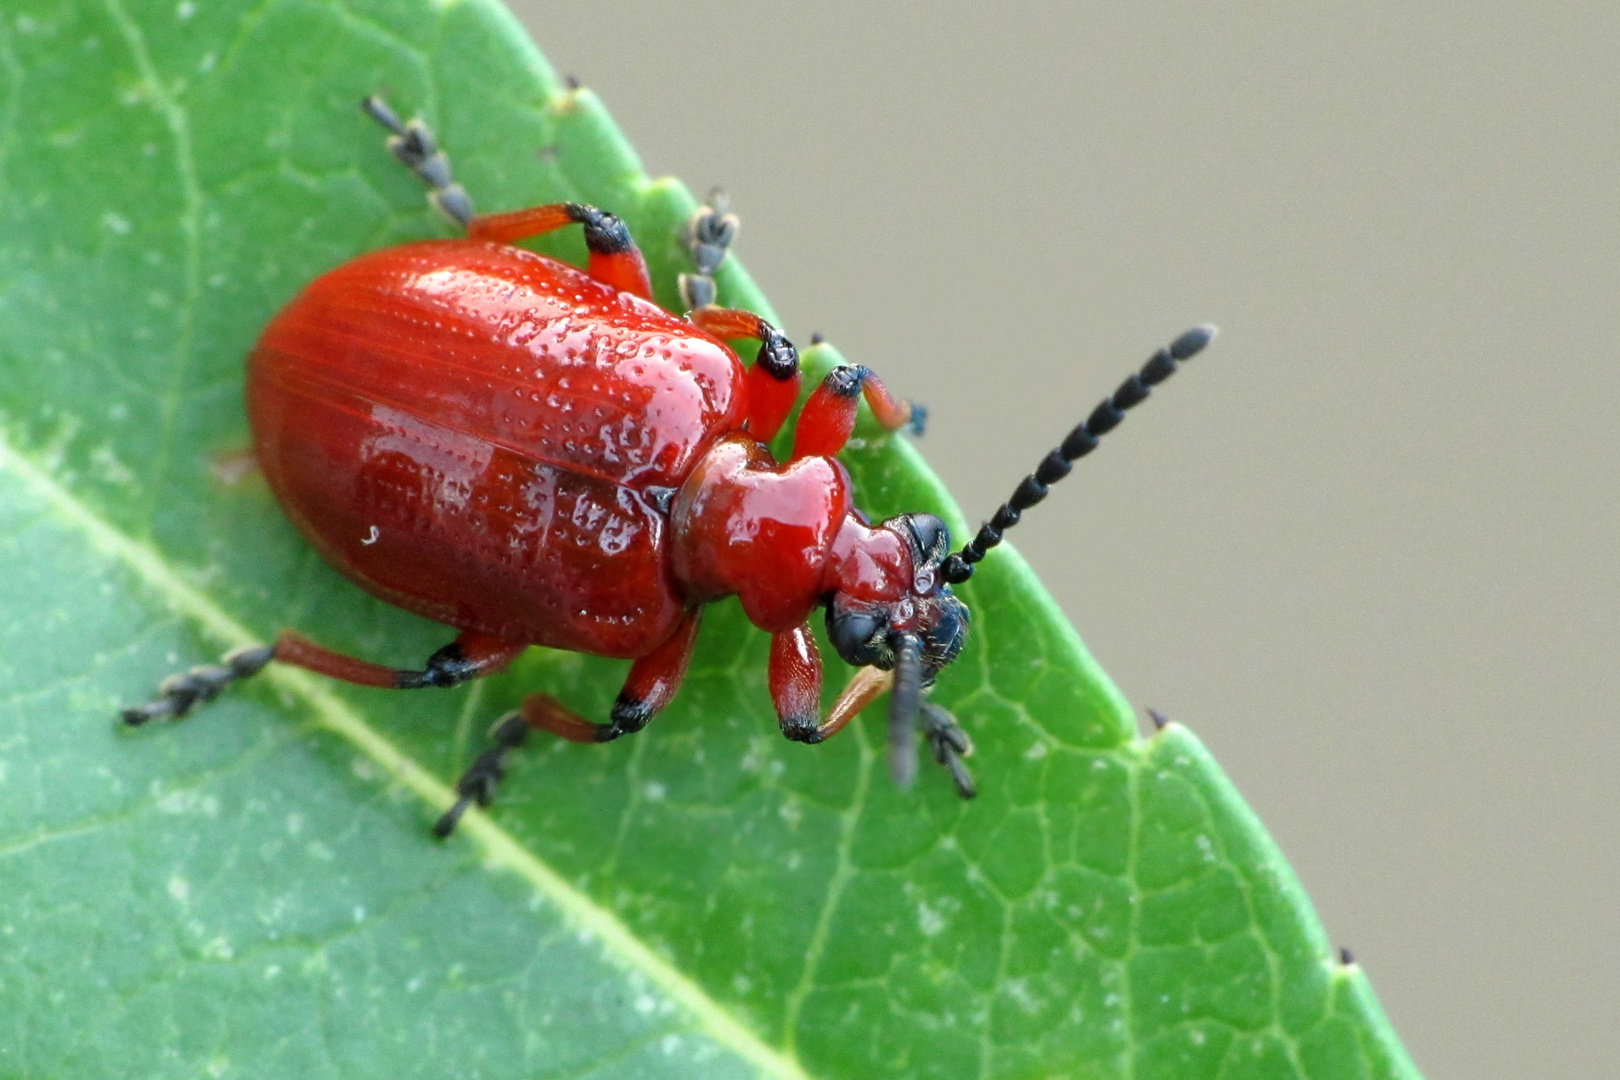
254, 891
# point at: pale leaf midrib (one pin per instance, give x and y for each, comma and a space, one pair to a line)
337, 716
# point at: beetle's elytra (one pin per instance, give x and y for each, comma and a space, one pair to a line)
539, 455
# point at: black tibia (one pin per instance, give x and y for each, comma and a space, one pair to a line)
1080, 442
447, 667
478, 783
709, 234
605, 233
629, 715
949, 744
178, 693
413, 144
776, 353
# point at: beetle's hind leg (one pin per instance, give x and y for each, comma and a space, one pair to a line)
413, 144
470, 656
178, 694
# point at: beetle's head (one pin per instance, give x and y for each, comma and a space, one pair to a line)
905, 624
873, 630
887, 620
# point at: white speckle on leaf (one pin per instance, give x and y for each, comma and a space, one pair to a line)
272, 971
185, 10
363, 767
792, 813
219, 949
116, 223
1036, 752
929, 920
1205, 846
653, 791
189, 802
318, 850
218, 1066
206, 64
1022, 996
295, 823
179, 888
359, 913
106, 465
416, 982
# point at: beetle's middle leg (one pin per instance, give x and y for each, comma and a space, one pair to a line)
653, 682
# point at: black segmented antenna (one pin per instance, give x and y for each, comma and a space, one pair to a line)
1081, 441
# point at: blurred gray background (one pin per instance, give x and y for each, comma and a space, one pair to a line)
1365, 547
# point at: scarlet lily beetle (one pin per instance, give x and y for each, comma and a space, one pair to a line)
538, 455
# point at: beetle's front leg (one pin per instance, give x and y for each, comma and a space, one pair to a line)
794, 677
795, 682
950, 745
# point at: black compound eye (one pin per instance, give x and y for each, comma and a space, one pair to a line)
859, 636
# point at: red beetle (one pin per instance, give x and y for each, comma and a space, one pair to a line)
537, 455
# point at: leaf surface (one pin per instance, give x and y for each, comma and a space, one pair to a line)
254, 891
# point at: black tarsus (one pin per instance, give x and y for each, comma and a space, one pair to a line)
413, 144
1346, 957
1159, 719
777, 355
1080, 442
709, 235
178, 694
478, 783
950, 745
605, 233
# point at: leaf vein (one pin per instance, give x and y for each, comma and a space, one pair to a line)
500, 848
